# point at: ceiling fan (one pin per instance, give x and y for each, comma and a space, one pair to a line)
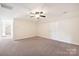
38, 14
4, 5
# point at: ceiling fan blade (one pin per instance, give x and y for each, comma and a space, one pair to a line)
5, 6
42, 16
31, 16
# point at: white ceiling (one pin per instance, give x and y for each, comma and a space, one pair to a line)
52, 10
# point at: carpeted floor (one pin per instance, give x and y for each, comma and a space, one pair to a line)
37, 46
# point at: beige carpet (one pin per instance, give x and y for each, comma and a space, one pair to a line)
37, 46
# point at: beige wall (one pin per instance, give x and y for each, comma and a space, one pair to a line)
66, 30
24, 29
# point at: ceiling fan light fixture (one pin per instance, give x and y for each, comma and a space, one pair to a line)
37, 16
41, 12
36, 12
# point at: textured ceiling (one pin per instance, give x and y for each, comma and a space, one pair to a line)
53, 11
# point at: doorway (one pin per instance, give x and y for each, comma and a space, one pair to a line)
6, 29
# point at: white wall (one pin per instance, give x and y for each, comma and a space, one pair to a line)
24, 29
66, 30
0, 27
